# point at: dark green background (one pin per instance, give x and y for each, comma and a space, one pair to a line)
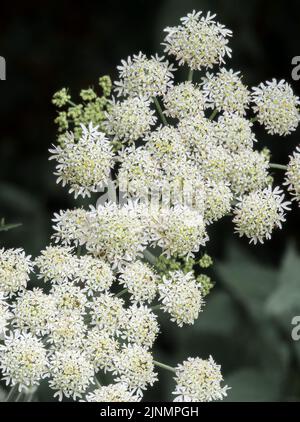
47, 45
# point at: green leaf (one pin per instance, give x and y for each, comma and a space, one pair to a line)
252, 385
5, 227
219, 316
284, 302
248, 281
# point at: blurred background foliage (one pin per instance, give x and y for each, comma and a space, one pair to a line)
246, 324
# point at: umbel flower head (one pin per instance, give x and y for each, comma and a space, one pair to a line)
183, 100
108, 313
34, 310
226, 92
5, 314
181, 297
85, 164
218, 200
95, 274
56, 264
69, 226
116, 233
234, 132
112, 393
67, 331
140, 280
199, 42
141, 326
23, 360
15, 268
140, 76
101, 348
166, 145
134, 366
140, 172
276, 107
197, 134
199, 380
292, 179
70, 373
257, 214
179, 230
68, 297
249, 171
130, 119
216, 163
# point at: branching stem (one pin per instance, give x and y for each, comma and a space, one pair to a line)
122, 292
160, 112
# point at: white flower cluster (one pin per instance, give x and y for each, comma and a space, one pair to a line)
181, 297
15, 268
33, 310
5, 314
141, 281
84, 165
276, 107
199, 42
115, 233
140, 76
23, 360
134, 366
226, 92
178, 231
112, 393
199, 380
258, 213
174, 180
131, 119
184, 100
293, 175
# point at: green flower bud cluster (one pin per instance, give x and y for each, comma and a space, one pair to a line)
205, 261
205, 283
166, 265
91, 108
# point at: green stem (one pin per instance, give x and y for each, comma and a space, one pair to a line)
29, 397
12, 392
277, 166
253, 119
122, 292
160, 112
111, 190
149, 257
213, 114
190, 75
162, 365
18, 397
156, 307
78, 251
98, 383
71, 103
